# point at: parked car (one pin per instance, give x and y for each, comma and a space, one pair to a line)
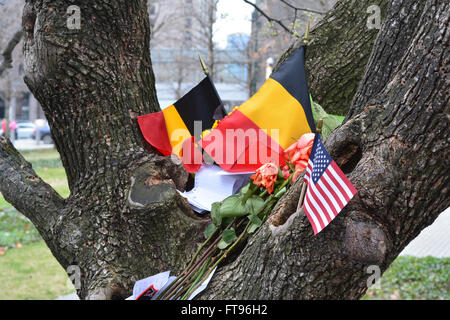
25, 130
44, 133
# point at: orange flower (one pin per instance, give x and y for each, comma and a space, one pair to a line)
266, 176
299, 152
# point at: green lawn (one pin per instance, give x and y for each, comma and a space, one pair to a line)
15, 227
32, 272
414, 278
28, 269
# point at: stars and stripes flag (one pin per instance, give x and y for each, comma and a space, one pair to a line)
329, 190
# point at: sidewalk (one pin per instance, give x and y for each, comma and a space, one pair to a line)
30, 144
433, 240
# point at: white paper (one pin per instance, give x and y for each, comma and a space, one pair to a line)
212, 184
157, 282
160, 282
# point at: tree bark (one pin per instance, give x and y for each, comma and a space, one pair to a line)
123, 205
338, 52
124, 219
395, 152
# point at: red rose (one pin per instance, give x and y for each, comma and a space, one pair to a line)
266, 176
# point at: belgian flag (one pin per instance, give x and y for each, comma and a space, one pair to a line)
279, 113
171, 130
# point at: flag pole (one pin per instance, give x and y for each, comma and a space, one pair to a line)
220, 111
204, 67
306, 38
302, 193
318, 129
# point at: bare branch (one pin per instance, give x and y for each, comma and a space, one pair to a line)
279, 22
301, 9
7, 53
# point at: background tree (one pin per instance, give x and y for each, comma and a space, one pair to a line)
10, 56
124, 219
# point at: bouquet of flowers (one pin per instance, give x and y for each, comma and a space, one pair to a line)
238, 216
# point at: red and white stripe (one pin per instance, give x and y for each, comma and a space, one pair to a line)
326, 198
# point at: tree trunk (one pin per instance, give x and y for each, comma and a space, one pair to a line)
394, 150
124, 219
92, 83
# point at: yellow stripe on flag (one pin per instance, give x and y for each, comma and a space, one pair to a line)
273, 107
176, 129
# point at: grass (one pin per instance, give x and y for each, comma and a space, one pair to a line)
15, 227
411, 278
28, 269
32, 272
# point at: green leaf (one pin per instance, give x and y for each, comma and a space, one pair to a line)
280, 175
245, 188
255, 220
252, 228
215, 213
228, 235
209, 230
254, 205
330, 122
256, 223
222, 245
232, 207
226, 221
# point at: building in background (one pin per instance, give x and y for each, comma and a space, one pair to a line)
183, 29
180, 30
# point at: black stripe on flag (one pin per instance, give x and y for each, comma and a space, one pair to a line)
199, 104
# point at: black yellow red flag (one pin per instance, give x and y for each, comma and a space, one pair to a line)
172, 130
260, 129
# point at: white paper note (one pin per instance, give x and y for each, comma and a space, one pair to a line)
212, 184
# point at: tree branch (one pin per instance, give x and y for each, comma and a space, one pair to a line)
22, 187
279, 22
7, 53
342, 33
301, 9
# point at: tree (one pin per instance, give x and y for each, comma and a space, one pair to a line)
124, 219
10, 39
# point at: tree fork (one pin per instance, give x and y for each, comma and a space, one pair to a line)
124, 219
393, 148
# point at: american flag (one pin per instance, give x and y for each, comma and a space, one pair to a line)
329, 190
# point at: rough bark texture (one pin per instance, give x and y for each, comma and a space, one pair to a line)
343, 42
124, 220
395, 152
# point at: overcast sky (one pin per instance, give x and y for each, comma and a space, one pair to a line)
233, 17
